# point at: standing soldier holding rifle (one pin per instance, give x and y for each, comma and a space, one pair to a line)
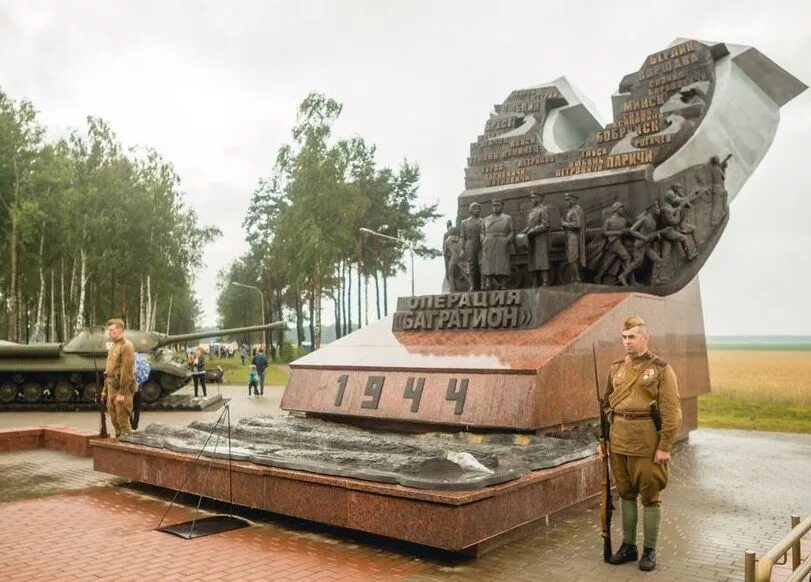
642, 404
119, 378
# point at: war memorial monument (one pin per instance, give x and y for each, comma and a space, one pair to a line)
467, 415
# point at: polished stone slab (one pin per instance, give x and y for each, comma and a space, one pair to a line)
530, 379
459, 521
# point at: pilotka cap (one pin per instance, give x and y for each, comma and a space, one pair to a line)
632, 321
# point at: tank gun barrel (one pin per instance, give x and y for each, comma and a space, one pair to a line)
172, 339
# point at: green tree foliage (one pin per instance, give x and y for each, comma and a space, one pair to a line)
91, 231
304, 220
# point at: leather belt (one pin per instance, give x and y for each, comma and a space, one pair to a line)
631, 414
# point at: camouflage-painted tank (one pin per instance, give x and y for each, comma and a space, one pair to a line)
70, 373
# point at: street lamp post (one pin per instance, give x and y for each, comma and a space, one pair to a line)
261, 298
395, 239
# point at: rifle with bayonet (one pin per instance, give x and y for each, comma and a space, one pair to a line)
606, 504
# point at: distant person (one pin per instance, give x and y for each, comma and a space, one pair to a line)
273, 352
198, 371
253, 381
119, 379
643, 406
261, 363
242, 354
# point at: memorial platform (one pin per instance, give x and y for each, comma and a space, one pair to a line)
460, 521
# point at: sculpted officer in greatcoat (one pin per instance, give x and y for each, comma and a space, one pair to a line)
537, 232
470, 235
497, 237
574, 224
643, 406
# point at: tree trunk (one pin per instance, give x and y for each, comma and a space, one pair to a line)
39, 320
312, 318
377, 294
360, 299
385, 294
141, 308
169, 314
348, 323
366, 297
52, 324
64, 312
299, 320
82, 289
13, 306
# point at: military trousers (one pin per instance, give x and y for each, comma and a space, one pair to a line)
639, 477
120, 413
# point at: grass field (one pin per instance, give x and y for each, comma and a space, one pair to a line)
758, 389
235, 373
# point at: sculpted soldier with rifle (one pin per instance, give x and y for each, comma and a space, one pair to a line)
644, 232
641, 402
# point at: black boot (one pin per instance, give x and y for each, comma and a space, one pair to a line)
626, 553
648, 561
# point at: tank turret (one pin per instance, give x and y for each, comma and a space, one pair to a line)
71, 373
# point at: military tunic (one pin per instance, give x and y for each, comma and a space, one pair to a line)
119, 379
633, 383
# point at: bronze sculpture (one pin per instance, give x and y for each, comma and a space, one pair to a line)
471, 238
537, 232
497, 237
719, 191
644, 233
614, 228
574, 224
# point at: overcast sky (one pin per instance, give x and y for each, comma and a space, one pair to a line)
214, 87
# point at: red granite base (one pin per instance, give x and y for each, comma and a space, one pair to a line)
74, 441
458, 521
514, 380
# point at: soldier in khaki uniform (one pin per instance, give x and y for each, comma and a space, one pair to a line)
639, 454
119, 378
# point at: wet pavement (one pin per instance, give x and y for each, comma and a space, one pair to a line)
240, 405
730, 491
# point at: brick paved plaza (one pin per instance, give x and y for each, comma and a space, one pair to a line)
60, 520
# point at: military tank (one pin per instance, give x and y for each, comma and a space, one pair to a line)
69, 374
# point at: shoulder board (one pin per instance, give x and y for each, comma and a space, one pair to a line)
659, 361
621, 360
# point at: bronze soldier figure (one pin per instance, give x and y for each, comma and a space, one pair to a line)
674, 226
471, 238
497, 237
644, 233
537, 232
454, 259
719, 192
614, 227
574, 224
643, 405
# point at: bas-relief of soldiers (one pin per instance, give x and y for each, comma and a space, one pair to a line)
625, 250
